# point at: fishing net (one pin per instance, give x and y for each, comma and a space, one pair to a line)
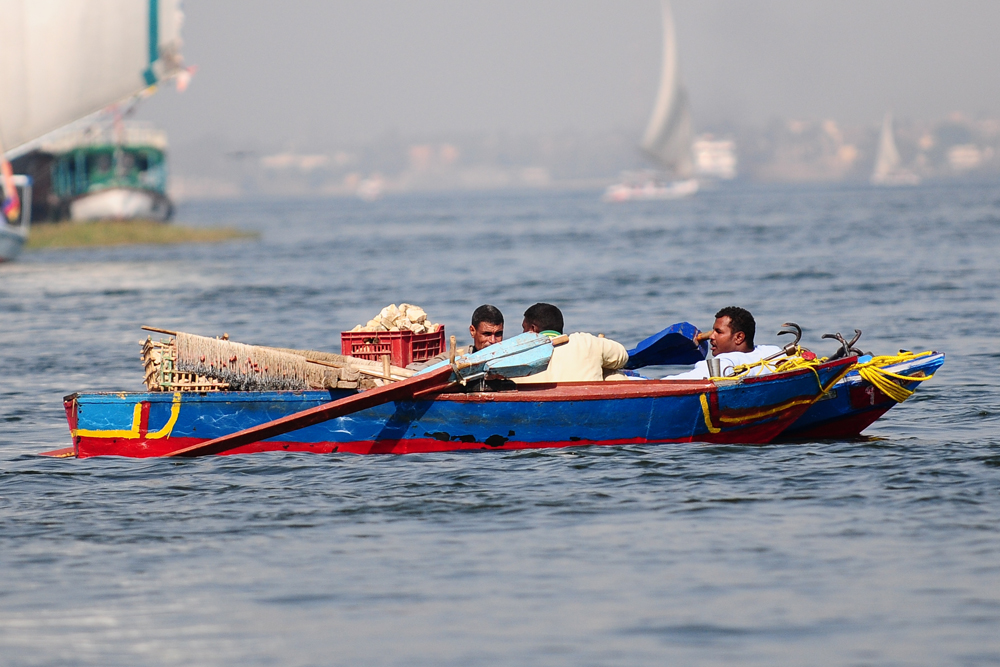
188, 362
249, 367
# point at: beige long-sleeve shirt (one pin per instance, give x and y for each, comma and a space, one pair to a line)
583, 359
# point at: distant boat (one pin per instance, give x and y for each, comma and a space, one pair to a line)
668, 136
647, 186
715, 158
888, 170
13, 233
64, 61
371, 188
116, 175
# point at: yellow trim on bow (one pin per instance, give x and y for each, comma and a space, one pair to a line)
133, 433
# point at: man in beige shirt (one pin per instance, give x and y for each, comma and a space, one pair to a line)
584, 358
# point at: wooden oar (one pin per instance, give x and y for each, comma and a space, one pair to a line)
417, 385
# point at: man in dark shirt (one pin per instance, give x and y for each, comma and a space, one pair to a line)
486, 329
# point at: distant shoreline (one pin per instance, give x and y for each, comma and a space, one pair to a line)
106, 233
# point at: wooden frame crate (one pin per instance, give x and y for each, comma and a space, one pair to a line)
159, 360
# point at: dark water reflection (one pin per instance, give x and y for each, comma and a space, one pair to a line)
883, 551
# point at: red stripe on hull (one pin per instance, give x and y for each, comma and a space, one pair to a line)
88, 447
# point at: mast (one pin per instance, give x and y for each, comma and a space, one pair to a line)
668, 135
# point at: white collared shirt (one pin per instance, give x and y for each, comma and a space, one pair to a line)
728, 361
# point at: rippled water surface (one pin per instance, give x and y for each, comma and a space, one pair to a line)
881, 551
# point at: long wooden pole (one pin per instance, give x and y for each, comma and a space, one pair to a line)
427, 383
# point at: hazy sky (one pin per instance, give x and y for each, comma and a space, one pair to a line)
319, 72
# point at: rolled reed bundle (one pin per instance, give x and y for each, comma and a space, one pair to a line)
250, 367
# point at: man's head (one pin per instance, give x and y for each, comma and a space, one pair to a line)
487, 326
733, 331
543, 317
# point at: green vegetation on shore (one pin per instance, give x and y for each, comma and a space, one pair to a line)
131, 232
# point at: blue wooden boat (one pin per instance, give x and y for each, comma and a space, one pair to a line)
750, 410
851, 406
854, 403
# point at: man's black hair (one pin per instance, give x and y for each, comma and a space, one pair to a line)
740, 319
487, 313
545, 316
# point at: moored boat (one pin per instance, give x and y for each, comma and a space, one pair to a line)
14, 233
121, 204
752, 410
117, 172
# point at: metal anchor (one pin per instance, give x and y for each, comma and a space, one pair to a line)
790, 349
846, 347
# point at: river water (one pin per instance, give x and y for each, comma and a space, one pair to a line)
883, 551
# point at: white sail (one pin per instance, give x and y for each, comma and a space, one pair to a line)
888, 166
668, 135
62, 60
887, 160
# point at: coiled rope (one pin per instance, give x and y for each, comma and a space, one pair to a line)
873, 372
802, 359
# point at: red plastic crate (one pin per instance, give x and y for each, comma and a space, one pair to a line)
403, 347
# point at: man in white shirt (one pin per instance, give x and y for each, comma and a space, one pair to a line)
732, 345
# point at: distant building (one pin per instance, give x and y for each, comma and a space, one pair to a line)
965, 157
715, 158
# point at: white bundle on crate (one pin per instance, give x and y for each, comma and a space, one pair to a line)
249, 367
405, 317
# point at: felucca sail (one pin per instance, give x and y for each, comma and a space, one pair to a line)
888, 169
62, 60
668, 135
888, 157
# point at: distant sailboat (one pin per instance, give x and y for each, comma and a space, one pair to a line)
888, 169
63, 61
668, 136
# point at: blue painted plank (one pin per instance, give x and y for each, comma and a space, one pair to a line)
673, 346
